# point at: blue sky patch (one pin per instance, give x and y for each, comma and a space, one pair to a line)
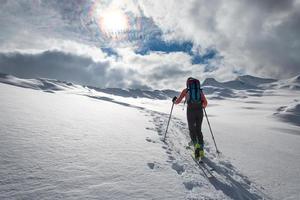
110, 51
156, 44
203, 59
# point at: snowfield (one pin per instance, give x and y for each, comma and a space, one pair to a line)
59, 140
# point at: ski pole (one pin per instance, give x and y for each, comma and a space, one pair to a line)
168, 122
218, 152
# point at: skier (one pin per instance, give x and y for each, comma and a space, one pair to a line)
196, 101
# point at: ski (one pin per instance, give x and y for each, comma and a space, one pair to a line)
202, 162
207, 171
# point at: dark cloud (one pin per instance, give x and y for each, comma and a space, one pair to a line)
167, 72
55, 65
273, 5
139, 84
69, 67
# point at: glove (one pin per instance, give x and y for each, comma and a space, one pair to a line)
174, 99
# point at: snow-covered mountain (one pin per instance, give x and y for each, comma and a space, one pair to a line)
291, 83
245, 82
254, 81
59, 140
51, 85
248, 82
235, 88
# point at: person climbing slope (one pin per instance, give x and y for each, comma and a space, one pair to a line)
196, 101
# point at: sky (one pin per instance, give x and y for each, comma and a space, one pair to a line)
149, 44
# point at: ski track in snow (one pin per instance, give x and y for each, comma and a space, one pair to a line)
227, 179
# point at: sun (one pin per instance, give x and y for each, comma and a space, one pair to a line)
114, 24
113, 21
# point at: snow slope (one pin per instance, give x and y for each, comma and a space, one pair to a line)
65, 141
68, 146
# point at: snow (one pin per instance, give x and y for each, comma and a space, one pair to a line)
290, 113
240, 83
64, 141
68, 146
291, 83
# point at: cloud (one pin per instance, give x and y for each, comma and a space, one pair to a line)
171, 40
56, 65
259, 37
161, 70
27, 24
56, 40
128, 71
273, 5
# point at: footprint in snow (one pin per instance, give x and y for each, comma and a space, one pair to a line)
189, 185
171, 158
164, 147
167, 149
178, 168
169, 152
152, 165
148, 128
159, 132
150, 140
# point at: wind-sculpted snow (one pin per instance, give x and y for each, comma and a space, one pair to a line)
290, 113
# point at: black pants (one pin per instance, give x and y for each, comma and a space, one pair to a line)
195, 118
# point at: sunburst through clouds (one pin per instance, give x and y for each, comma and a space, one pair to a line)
113, 22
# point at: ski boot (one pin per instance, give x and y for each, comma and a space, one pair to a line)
201, 151
197, 151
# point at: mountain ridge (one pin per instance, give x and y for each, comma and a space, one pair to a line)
240, 83
227, 89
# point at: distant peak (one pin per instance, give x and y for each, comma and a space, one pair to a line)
247, 76
2, 75
254, 77
297, 79
210, 80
